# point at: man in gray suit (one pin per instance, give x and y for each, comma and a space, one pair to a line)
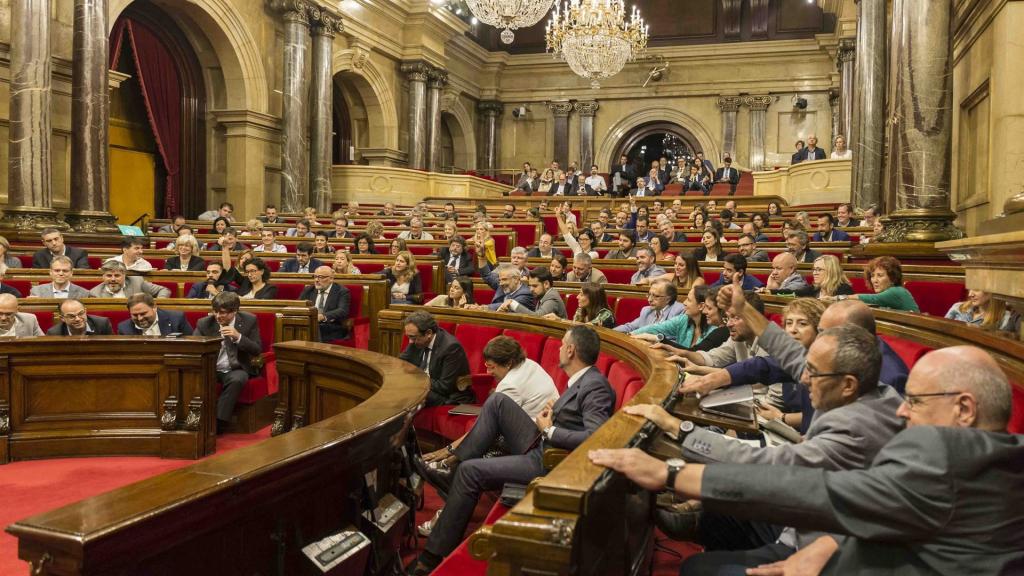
14, 324
549, 301
240, 347
938, 498
662, 296
60, 286
117, 285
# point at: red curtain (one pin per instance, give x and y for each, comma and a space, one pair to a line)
158, 78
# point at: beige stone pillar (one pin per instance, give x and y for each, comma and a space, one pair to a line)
845, 63
248, 135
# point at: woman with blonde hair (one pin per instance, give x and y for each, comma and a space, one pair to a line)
375, 230
546, 182
981, 310
484, 244
343, 263
253, 228
188, 256
829, 279
404, 280
5, 254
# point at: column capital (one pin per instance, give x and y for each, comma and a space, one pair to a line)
729, 103
587, 108
438, 78
561, 108
490, 107
759, 103
833, 97
846, 52
325, 22
292, 10
417, 71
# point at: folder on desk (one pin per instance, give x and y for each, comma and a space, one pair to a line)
735, 402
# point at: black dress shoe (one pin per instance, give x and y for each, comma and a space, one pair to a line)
436, 474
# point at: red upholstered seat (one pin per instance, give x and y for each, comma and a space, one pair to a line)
628, 309
45, 318
1017, 416
157, 263
23, 286
619, 376
632, 388
672, 190
421, 250
289, 290
549, 361
483, 295
619, 275
935, 298
604, 363
532, 343
172, 286
473, 339
26, 260
908, 350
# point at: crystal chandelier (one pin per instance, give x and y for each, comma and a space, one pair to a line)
509, 14
594, 38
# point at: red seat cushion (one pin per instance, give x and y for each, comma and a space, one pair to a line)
549, 360
289, 290
619, 376
619, 275
632, 388
604, 363
935, 298
908, 350
473, 339
45, 318
628, 309
533, 344
1016, 425
23, 286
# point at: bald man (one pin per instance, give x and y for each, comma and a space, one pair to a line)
946, 495
14, 324
784, 276
332, 304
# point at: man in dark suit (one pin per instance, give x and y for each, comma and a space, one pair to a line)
624, 174
240, 347
53, 242
340, 228
543, 248
707, 169
587, 402
216, 282
457, 261
562, 187
809, 152
844, 216
796, 244
270, 215
728, 175
510, 287
827, 231
147, 320
332, 304
441, 356
75, 321
7, 288
303, 262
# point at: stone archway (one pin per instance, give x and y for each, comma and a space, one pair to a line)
460, 125
616, 136
367, 94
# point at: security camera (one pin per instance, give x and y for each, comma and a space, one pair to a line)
800, 103
519, 112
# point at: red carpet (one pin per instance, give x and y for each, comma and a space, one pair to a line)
35, 486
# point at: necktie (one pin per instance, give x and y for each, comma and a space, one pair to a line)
425, 364
320, 300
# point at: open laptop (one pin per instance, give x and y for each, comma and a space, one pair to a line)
734, 402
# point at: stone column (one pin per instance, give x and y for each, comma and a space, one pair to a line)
491, 111
325, 26
845, 63
294, 114
417, 72
758, 122
29, 197
561, 111
90, 121
587, 110
835, 107
867, 138
437, 79
922, 109
730, 106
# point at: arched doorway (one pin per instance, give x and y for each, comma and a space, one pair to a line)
648, 142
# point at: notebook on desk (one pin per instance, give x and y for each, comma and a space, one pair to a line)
736, 402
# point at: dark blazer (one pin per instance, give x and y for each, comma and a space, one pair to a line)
658, 187
809, 256
334, 234
170, 321
415, 286
836, 236
8, 289
806, 154
464, 265
853, 223
581, 409
522, 295
79, 258
696, 183
535, 252
292, 265
198, 289
734, 178
195, 264
100, 327
448, 363
243, 352
335, 310
268, 292
566, 189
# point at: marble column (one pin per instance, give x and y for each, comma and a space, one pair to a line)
587, 110
436, 81
325, 26
846, 64
491, 111
922, 113
730, 106
835, 107
561, 111
417, 72
90, 121
867, 136
295, 97
29, 197
758, 123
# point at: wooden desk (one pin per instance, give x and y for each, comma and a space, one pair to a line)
85, 396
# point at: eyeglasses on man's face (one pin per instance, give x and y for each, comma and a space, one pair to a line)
74, 316
914, 400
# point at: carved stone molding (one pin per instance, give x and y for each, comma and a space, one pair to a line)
847, 52
298, 421
729, 103
490, 107
588, 108
325, 23
417, 71
277, 428
293, 10
91, 222
169, 418
438, 78
920, 225
758, 102
195, 414
5, 418
560, 108
31, 218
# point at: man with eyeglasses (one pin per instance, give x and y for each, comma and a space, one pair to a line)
747, 245
14, 324
785, 277
441, 356
75, 321
662, 305
415, 231
332, 304
60, 285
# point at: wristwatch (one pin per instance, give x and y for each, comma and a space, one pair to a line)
674, 466
685, 427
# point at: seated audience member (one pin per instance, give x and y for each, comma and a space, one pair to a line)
696, 181
662, 305
483, 243
643, 231
981, 310
796, 244
7, 288
256, 285
240, 346
885, 274
789, 226
650, 185
14, 324
774, 210
598, 228
743, 343
388, 210
809, 152
761, 220
688, 331
415, 231
668, 231
351, 209
517, 258
829, 279
549, 301
460, 294
543, 248
187, 258
546, 183
321, 245
871, 215
558, 267
510, 211
60, 285
404, 282
710, 249
343, 263
911, 509
562, 187
75, 321
450, 230
269, 243
727, 175
225, 210
747, 246
303, 262
309, 213
147, 320
660, 246
804, 219
375, 230
216, 282
117, 285
827, 231
6, 257
270, 215
302, 229
583, 243
176, 223
733, 265
876, 232
595, 184
583, 270
331, 302
340, 228
626, 249
564, 424
53, 245
839, 149
364, 245
253, 228
510, 287
685, 273
448, 212
235, 274
220, 224
725, 217
592, 307
228, 241
184, 231
784, 276
646, 269
457, 260
700, 220
441, 356
398, 245
844, 216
